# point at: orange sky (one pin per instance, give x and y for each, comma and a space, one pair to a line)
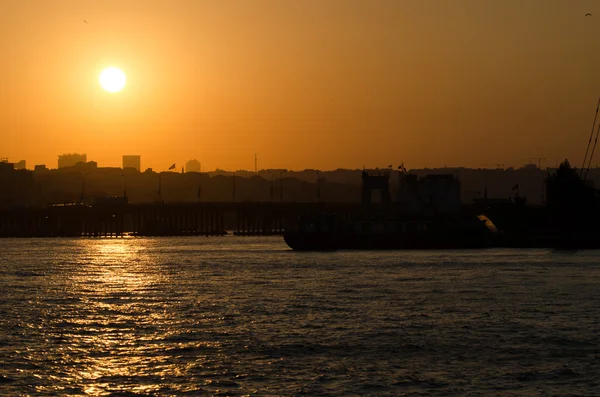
305, 84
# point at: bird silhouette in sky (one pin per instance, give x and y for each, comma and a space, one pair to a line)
85, 21
588, 15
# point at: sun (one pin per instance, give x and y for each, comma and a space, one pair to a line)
112, 79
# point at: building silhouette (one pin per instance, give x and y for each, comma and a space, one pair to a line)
376, 180
132, 161
433, 193
21, 165
70, 159
5, 166
193, 166
425, 191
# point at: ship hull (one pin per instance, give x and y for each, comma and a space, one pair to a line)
391, 233
300, 241
397, 241
303, 241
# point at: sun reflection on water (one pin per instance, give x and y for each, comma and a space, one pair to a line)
117, 329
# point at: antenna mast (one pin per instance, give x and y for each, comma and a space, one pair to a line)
590, 141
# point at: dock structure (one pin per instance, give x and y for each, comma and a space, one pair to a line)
144, 219
176, 220
260, 220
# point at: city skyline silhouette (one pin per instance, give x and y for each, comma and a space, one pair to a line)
327, 85
299, 197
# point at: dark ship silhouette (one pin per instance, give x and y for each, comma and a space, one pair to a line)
428, 215
568, 220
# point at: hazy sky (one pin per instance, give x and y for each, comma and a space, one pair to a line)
305, 84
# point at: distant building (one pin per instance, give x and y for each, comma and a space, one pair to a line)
15, 166
40, 167
5, 166
70, 159
193, 166
132, 161
86, 167
437, 193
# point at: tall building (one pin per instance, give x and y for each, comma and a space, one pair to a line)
193, 166
70, 159
21, 165
132, 161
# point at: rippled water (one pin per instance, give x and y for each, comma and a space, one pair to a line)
246, 316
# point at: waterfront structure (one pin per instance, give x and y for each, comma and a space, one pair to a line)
375, 180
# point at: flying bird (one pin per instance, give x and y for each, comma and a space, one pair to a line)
85, 21
588, 15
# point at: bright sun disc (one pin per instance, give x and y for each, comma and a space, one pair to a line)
112, 79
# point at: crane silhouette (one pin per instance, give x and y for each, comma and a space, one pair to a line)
539, 159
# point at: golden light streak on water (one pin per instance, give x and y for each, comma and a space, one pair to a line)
116, 284
245, 316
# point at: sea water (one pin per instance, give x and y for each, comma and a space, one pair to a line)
247, 316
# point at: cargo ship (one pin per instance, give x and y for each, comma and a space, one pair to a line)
330, 234
426, 215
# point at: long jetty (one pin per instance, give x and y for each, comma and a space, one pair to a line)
160, 219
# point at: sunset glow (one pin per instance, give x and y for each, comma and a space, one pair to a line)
323, 84
112, 79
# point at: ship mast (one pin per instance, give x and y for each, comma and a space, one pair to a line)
590, 142
592, 154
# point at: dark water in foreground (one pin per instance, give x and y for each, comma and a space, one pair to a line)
246, 316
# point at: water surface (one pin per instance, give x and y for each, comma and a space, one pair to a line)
246, 316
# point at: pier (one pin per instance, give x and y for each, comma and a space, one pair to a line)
118, 219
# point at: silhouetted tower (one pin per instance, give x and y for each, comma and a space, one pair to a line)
376, 180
